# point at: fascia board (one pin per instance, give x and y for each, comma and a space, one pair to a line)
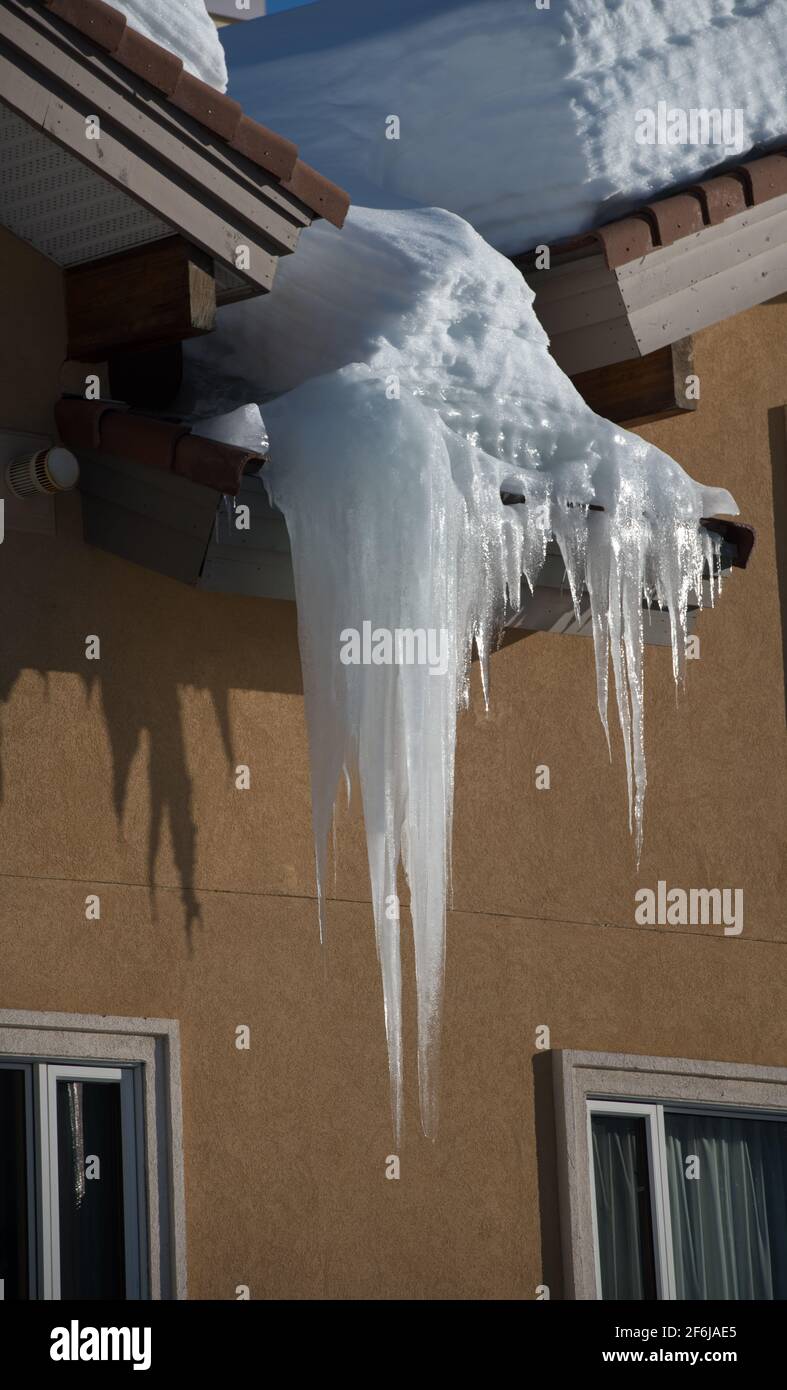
596, 317
719, 272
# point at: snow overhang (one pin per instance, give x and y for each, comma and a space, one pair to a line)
109, 145
157, 493
678, 265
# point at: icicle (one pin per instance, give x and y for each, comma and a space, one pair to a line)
226, 509
76, 1128
393, 504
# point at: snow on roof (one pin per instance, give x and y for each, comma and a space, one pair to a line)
523, 120
185, 28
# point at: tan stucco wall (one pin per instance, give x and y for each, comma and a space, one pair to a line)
117, 780
34, 324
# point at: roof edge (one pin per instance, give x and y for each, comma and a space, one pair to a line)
687, 209
109, 30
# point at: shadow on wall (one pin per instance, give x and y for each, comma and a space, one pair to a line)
158, 638
777, 434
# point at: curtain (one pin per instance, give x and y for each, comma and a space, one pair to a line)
729, 1224
623, 1215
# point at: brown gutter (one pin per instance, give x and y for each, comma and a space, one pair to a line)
737, 535
167, 445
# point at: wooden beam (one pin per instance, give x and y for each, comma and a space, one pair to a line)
145, 298
641, 389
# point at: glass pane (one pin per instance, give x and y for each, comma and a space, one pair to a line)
728, 1200
13, 1185
623, 1215
90, 1175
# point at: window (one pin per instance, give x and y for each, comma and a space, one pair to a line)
91, 1188
688, 1204
72, 1202
673, 1178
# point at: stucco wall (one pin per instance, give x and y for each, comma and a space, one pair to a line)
117, 779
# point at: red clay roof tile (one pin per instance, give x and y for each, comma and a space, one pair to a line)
99, 22
318, 193
265, 147
721, 198
676, 217
144, 58
703, 204
204, 104
764, 178
625, 240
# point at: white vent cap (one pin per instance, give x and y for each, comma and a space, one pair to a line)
48, 471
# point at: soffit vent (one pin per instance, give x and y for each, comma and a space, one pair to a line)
53, 201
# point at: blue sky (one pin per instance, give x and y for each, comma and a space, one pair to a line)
275, 5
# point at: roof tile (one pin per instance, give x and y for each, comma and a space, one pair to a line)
99, 22
764, 178
211, 108
677, 216
625, 240
157, 65
265, 147
706, 203
721, 198
318, 193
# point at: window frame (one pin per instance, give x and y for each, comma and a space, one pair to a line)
653, 1116
144, 1056
595, 1082
47, 1075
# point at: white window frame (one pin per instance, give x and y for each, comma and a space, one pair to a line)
653, 1116
143, 1055
587, 1083
46, 1077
